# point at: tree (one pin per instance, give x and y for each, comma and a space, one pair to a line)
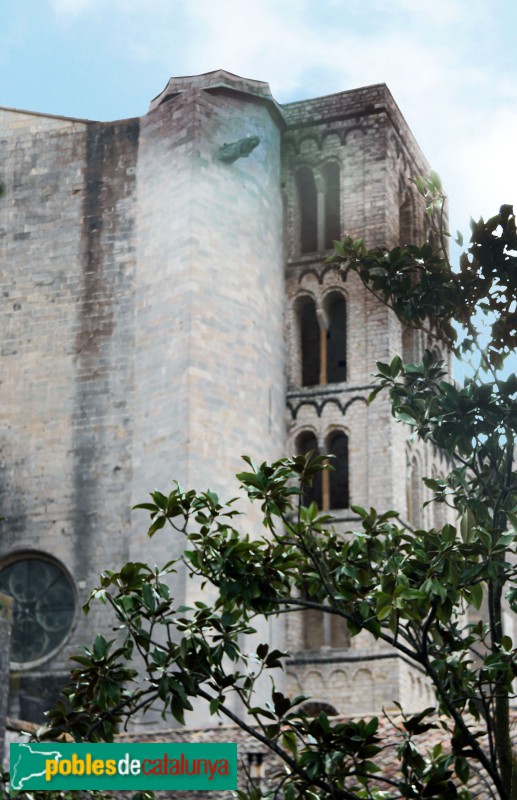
409, 588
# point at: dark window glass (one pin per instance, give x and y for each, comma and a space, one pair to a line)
338, 445
308, 210
312, 494
44, 607
310, 343
336, 339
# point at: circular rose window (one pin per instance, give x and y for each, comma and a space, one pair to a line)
44, 607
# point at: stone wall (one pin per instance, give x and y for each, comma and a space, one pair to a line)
67, 255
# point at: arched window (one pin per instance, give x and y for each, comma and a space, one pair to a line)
336, 338
337, 444
305, 443
308, 204
332, 204
330, 489
44, 606
310, 341
414, 493
313, 708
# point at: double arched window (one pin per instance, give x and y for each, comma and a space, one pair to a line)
322, 339
330, 489
319, 203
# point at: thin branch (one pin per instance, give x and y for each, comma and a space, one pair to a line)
342, 794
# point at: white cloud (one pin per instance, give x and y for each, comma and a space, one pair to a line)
71, 7
74, 8
483, 170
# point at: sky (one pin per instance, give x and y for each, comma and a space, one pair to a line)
450, 64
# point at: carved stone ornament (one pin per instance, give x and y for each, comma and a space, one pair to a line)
229, 153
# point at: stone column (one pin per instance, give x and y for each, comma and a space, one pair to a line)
6, 604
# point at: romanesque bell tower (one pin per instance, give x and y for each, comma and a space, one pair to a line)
347, 163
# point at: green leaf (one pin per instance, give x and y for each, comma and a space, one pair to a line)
475, 594
435, 180
148, 596
373, 394
147, 506
156, 526
396, 366
461, 767
214, 707
384, 369
459, 238
100, 647
262, 651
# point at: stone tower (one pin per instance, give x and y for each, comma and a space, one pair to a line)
164, 295
346, 168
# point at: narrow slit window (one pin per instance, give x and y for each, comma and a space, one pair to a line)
336, 339
309, 342
308, 203
332, 204
337, 444
306, 443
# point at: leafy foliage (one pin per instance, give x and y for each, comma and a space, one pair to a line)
407, 590
419, 284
